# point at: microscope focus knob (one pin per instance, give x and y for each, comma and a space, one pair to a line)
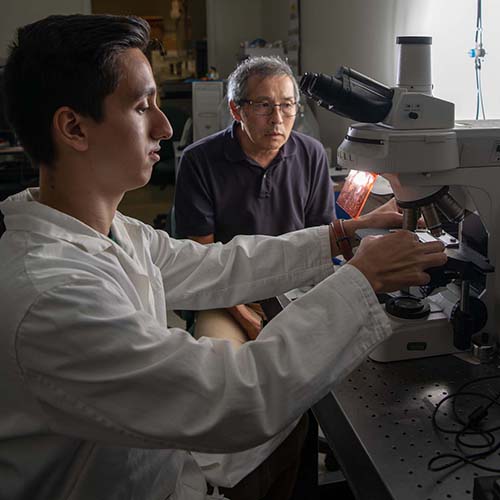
466, 324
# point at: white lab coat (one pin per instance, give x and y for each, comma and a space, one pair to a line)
100, 399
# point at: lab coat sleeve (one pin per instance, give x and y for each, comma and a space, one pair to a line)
101, 370
245, 269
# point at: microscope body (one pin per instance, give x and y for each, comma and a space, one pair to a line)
461, 166
437, 168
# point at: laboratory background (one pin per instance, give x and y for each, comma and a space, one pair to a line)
381, 431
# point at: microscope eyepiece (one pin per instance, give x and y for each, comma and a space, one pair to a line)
350, 94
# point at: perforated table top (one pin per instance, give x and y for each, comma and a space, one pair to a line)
378, 422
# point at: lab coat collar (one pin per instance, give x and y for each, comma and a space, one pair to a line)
23, 212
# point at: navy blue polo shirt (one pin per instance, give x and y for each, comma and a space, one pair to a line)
221, 191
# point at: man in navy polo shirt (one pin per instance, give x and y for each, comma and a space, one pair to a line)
257, 177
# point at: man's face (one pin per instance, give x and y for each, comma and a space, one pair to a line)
266, 133
124, 146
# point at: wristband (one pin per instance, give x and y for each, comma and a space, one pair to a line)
341, 239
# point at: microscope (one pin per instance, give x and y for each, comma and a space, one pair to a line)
444, 171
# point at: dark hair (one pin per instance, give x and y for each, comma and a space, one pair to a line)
64, 61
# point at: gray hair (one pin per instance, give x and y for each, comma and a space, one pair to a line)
263, 66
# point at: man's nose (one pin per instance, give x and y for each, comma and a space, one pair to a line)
163, 129
277, 114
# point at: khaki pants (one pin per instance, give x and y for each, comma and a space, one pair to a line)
219, 324
275, 478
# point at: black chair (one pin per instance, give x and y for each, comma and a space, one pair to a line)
2, 225
164, 171
166, 222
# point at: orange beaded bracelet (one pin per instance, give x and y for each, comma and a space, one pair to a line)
341, 238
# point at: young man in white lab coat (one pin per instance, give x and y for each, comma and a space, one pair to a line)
100, 399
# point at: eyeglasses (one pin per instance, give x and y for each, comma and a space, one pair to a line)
266, 108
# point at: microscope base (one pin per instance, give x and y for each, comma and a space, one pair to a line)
413, 339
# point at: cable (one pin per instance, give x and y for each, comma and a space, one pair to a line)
472, 426
478, 53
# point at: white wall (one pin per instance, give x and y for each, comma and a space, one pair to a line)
275, 19
230, 22
452, 24
355, 33
16, 13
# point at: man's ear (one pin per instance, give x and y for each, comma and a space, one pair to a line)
235, 111
69, 129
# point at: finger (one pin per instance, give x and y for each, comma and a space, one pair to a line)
391, 204
258, 309
404, 236
433, 260
372, 237
414, 278
423, 279
403, 233
433, 247
394, 220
